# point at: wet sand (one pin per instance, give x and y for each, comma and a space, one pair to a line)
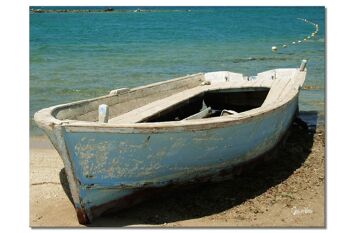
285, 190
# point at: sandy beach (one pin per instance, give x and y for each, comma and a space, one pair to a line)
286, 190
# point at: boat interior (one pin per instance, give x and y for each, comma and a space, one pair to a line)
191, 97
213, 104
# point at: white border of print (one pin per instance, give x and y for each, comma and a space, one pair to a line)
15, 103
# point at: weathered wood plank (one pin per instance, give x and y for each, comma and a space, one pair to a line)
153, 108
266, 82
87, 110
251, 83
127, 103
139, 114
276, 89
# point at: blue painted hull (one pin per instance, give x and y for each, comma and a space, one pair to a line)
111, 166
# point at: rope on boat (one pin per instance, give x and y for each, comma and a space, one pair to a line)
308, 37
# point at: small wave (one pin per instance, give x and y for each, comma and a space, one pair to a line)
249, 59
311, 87
37, 59
320, 40
105, 10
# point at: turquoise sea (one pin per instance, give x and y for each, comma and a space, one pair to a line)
80, 55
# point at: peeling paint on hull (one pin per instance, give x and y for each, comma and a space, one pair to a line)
113, 167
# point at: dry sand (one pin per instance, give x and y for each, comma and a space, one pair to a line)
286, 190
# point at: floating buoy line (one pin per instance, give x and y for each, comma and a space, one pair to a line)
308, 37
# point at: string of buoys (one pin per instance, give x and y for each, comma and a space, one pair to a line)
308, 37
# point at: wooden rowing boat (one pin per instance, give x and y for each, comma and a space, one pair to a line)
189, 129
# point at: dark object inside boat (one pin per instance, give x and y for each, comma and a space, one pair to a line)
213, 104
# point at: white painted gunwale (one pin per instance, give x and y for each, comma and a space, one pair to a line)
45, 118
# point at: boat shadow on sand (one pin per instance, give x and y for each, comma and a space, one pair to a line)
191, 202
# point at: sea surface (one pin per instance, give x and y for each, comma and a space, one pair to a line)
81, 55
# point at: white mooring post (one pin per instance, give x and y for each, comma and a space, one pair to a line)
103, 113
303, 65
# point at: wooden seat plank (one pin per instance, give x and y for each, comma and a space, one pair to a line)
153, 108
139, 114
